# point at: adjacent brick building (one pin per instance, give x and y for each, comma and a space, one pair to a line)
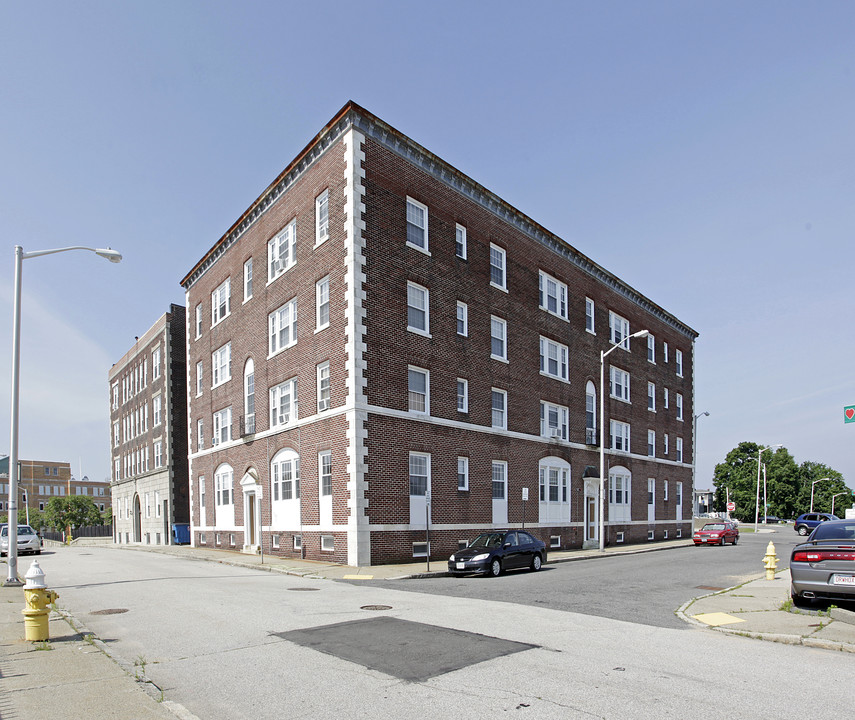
40, 480
380, 342
148, 434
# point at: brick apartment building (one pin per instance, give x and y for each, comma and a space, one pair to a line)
148, 434
40, 480
380, 342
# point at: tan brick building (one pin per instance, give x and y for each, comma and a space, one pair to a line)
379, 342
40, 480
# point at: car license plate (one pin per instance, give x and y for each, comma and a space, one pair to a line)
460, 566
705, 539
843, 579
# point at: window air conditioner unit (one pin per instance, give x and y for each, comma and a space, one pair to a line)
555, 433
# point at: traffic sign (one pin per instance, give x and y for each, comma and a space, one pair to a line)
849, 414
731, 506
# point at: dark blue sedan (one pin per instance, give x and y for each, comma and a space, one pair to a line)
494, 552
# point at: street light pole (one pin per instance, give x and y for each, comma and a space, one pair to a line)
603, 354
695, 460
813, 483
757, 497
114, 257
835, 496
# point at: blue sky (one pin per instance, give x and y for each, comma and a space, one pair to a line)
701, 151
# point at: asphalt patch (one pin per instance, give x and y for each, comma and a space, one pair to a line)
406, 650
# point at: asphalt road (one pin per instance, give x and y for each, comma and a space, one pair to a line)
645, 588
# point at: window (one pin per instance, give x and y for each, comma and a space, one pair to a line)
553, 481
282, 327
223, 487
418, 386
651, 396
156, 503
679, 449
463, 473
285, 475
462, 319
553, 421
199, 320
665, 496
678, 359
462, 395
247, 280
620, 482
156, 403
325, 472
553, 359
115, 388
115, 434
497, 267
619, 328
651, 443
155, 364
220, 302
283, 403
418, 309
589, 316
665, 445
249, 397
199, 375
498, 338
651, 349
500, 480
322, 303
158, 454
200, 435
499, 404
417, 225
678, 493
221, 365
327, 543
679, 402
222, 426
460, 242
619, 434
323, 375
419, 474
322, 217
590, 414
553, 295
282, 251
147, 504
651, 491
665, 352
619, 383
665, 398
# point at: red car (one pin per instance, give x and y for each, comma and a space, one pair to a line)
717, 533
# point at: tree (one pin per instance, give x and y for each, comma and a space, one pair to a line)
107, 516
36, 518
823, 490
73, 511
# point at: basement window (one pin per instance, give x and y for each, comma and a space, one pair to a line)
419, 549
649, 534
274, 542
555, 541
619, 538
327, 543
298, 542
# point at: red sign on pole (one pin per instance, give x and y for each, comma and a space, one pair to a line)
731, 506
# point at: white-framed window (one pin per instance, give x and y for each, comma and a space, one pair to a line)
417, 225
619, 383
282, 251
222, 427
651, 349
323, 375
462, 473
619, 329
221, 302
678, 359
590, 414
620, 494
115, 390
325, 472
249, 397
115, 434
651, 443
665, 352
199, 321
418, 309
500, 480
679, 449
327, 543
156, 409
247, 280
553, 421
651, 491
462, 318
285, 475
155, 365
156, 503
223, 491
200, 435
665, 486
283, 403
460, 242
322, 217
498, 338
665, 445
553, 481
678, 493
553, 295
419, 473
462, 395
322, 303
500, 409
498, 267
148, 505
553, 359
665, 398
282, 327
221, 365
651, 396
679, 402
619, 435
158, 454
200, 373
589, 316
418, 387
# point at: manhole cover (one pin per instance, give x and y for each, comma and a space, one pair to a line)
303, 589
707, 587
376, 607
109, 611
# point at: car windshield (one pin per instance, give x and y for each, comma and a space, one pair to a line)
714, 526
487, 540
22, 530
834, 531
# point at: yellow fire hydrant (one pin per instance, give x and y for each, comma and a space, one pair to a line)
770, 562
38, 598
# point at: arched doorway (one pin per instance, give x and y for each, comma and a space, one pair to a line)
137, 520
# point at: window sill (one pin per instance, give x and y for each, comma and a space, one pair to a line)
554, 377
417, 331
424, 251
499, 287
500, 359
317, 330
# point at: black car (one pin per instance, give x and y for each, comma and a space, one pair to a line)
823, 568
492, 553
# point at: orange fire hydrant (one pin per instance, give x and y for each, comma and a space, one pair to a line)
770, 561
37, 598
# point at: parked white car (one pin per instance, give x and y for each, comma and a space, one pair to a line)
28, 541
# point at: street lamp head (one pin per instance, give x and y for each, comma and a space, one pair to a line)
706, 414
640, 334
114, 256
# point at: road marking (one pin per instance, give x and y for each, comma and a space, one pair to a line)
717, 618
357, 577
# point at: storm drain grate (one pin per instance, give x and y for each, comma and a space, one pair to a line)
301, 589
109, 611
707, 587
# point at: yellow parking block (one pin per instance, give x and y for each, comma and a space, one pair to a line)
357, 577
717, 618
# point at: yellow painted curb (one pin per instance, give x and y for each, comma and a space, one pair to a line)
718, 618
357, 577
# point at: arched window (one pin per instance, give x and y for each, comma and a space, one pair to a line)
285, 475
249, 397
554, 489
590, 414
620, 494
223, 486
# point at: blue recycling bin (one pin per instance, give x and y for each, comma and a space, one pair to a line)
181, 533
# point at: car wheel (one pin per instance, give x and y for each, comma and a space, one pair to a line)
802, 530
721, 542
736, 540
495, 568
38, 552
536, 563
